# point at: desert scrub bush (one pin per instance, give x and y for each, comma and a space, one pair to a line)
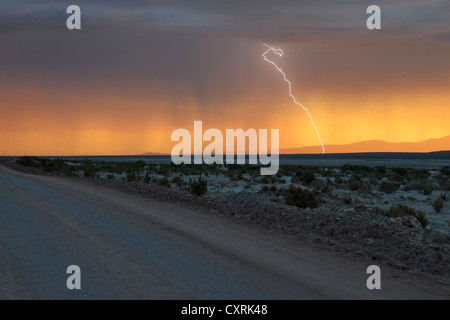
317, 185
152, 167
265, 180
58, 165
388, 187
414, 185
400, 171
401, 210
354, 184
199, 187
131, 176
89, 169
427, 189
419, 174
373, 180
51, 165
339, 180
301, 198
399, 175
48, 165
381, 170
398, 178
138, 165
438, 204
306, 177
163, 170
29, 162
326, 172
378, 173
178, 181
286, 170
356, 169
235, 170
422, 218
348, 200
249, 169
164, 182
111, 167
445, 171
443, 181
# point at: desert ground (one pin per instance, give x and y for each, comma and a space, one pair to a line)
160, 231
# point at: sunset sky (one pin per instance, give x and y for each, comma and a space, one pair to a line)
137, 70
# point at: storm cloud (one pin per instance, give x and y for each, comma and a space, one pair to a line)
180, 59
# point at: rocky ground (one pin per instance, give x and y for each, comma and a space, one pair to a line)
351, 215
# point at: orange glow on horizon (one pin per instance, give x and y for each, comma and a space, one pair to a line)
44, 123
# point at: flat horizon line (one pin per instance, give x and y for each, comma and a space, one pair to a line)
246, 154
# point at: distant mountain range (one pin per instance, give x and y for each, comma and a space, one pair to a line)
152, 154
431, 145
440, 144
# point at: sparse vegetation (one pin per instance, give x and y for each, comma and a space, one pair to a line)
388, 187
265, 180
89, 169
417, 186
32, 162
427, 189
422, 218
403, 210
345, 207
301, 198
356, 169
438, 204
380, 170
348, 200
331, 182
47, 165
354, 184
305, 176
445, 171
131, 176
178, 181
199, 187
163, 170
164, 182
400, 171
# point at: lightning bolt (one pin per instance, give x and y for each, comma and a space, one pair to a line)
280, 52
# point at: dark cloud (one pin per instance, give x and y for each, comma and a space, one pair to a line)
286, 20
153, 62
213, 47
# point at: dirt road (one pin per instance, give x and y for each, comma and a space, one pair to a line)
131, 247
